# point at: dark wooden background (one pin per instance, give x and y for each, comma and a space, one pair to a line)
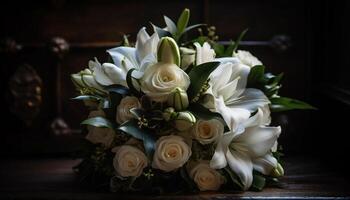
308, 42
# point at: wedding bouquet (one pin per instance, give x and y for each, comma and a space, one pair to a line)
174, 113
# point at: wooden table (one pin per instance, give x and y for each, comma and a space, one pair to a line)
54, 179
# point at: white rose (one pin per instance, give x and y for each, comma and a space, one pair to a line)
207, 131
171, 153
247, 58
99, 135
161, 79
123, 109
129, 161
205, 177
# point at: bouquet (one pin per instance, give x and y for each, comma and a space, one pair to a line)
175, 113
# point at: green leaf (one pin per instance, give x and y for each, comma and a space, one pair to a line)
230, 49
98, 122
202, 112
117, 89
258, 182
182, 22
279, 104
198, 76
235, 46
87, 97
170, 25
131, 127
129, 82
256, 76
234, 178
161, 32
219, 49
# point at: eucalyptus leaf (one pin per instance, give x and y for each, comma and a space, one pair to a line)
98, 122
198, 76
120, 89
87, 97
279, 104
131, 127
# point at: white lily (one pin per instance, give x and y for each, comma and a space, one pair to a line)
85, 80
248, 150
126, 58
229, 96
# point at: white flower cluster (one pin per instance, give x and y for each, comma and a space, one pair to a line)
241, 137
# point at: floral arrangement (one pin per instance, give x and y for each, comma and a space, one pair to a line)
175, 113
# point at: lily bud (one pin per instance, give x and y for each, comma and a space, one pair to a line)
168, 51
184, 121
85, 79
169, 114
178, 99
188, 56
278, 171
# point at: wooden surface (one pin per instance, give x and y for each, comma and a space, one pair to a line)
54, 179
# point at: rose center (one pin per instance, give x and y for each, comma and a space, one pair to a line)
205, 131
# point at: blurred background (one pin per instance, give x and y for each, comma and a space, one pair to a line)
43, 42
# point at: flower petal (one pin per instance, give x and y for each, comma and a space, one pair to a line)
257, 141
242, 165
115, 74
251, 100
126, 52
234, 117
101, 77
265, 164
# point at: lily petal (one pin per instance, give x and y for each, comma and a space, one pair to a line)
101, 77
115, 74
234, 117
242, 165
257, 141
251, 99
265, 164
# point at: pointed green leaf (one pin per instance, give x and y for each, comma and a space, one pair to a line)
198, 76
182, 22
235, 47
279, 104
98, 122
256, 76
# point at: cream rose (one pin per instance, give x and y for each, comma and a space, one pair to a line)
247, 58
207, 131
99, 135
129, 161
171, 153
205, 177
123, 109
161, 79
